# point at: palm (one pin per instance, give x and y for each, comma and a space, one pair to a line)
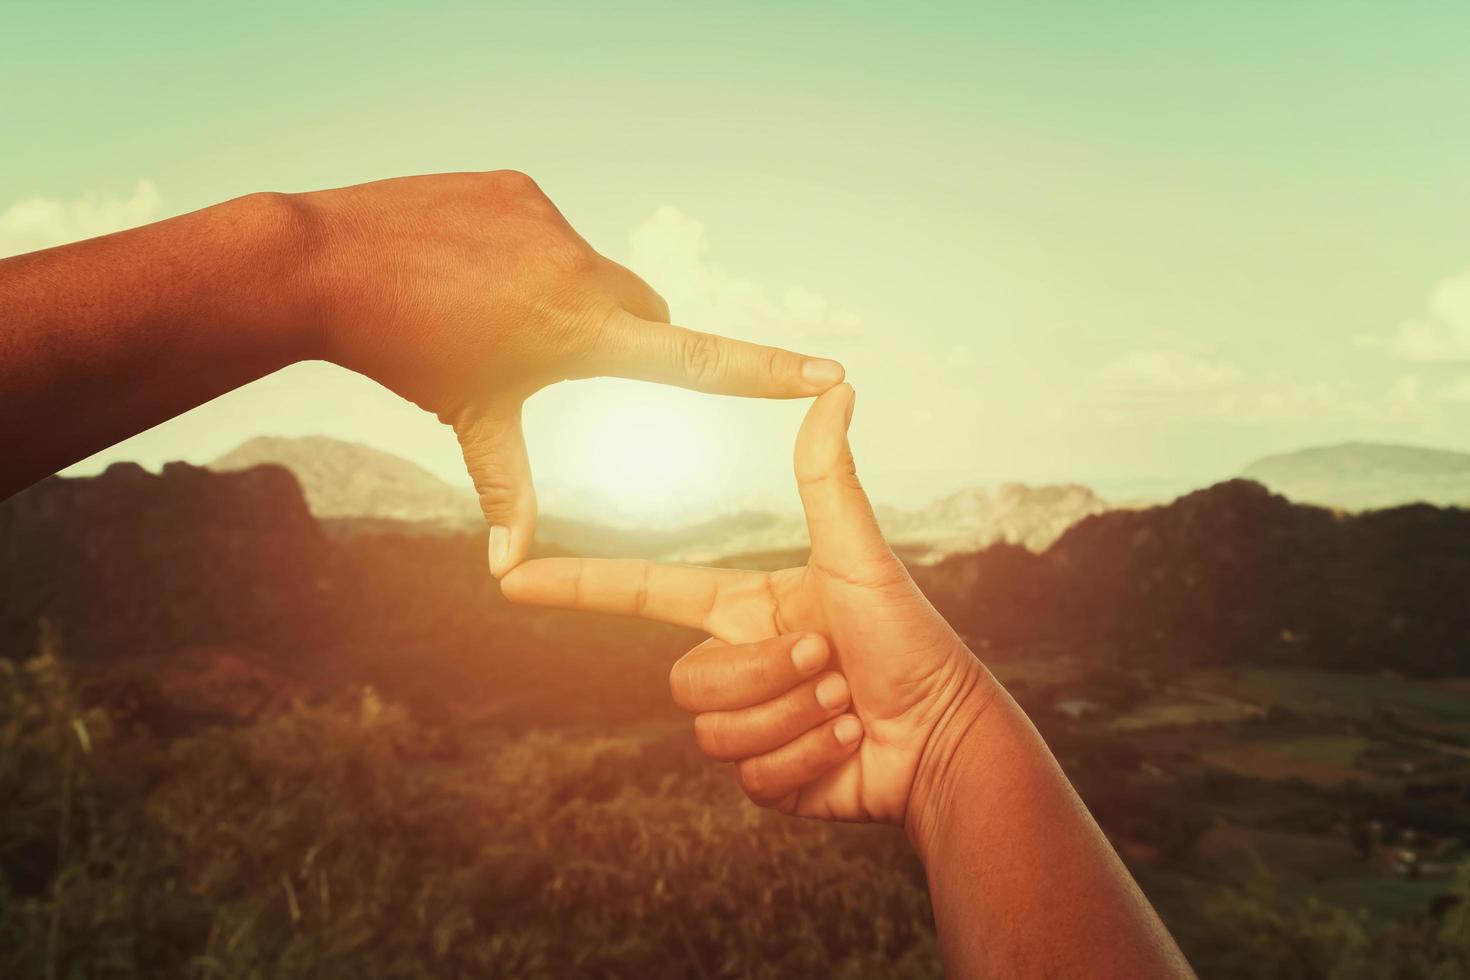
894, 650
899, 655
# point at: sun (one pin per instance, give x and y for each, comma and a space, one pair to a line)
643, 450
645, 458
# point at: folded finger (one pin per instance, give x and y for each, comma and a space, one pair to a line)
779, 773
745, 732
717, 676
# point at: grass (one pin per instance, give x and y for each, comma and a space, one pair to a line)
1328, 693
1322, 760
1184, 714
1381, 899
347, 840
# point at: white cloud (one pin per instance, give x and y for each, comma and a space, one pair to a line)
1166, 372
40, 222
669, 249
1442, 335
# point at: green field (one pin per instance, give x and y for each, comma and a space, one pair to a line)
1323, 760
1333, 694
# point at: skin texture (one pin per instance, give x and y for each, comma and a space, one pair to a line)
1023, 882
465, 293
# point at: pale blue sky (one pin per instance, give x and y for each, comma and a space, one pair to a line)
1098, 242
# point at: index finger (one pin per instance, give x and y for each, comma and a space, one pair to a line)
631, 347
685, 595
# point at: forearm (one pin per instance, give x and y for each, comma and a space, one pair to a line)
104, 338
1024, 883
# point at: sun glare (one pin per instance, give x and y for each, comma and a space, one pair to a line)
644, 451
643, 457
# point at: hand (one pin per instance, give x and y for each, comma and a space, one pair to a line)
466, 293
913, 685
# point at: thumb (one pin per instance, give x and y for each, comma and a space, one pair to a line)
495, 455
846, 540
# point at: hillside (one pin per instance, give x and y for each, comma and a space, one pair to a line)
130, 564
152, 563
966, 520
351, 480
1365, 476
1227, 575
361, 489
1185, 663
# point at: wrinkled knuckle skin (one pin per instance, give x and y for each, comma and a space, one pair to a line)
702, 357
708, 736
774, 362
569, 254
496, 490
767, 675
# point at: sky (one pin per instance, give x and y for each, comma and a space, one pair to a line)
1131, 245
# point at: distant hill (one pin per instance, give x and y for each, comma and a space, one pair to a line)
1366, 475
1011, 513
1230, 574
351, 480
136, 563
357, 488
967, 520
189, 580
130, 565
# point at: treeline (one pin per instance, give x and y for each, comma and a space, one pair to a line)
1232, 574
130, 565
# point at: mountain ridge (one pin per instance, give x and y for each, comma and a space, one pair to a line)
354, 486
1362, 475
343, 479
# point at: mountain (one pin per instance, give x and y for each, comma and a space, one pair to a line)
1230, 574
150, 563
188, 584
1366, 475
358, 488
350, 480
1011, 513
967, 520
229, 575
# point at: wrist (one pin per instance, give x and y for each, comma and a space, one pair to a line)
286, 291
948, 757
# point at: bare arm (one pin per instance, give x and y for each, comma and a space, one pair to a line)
464, 293
107, 337
1023, 882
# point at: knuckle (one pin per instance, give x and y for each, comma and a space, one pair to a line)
775, 361
568, 253
708, 734
494, 486
766, 673
513, 181
584, 330
844, 471
702, 357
